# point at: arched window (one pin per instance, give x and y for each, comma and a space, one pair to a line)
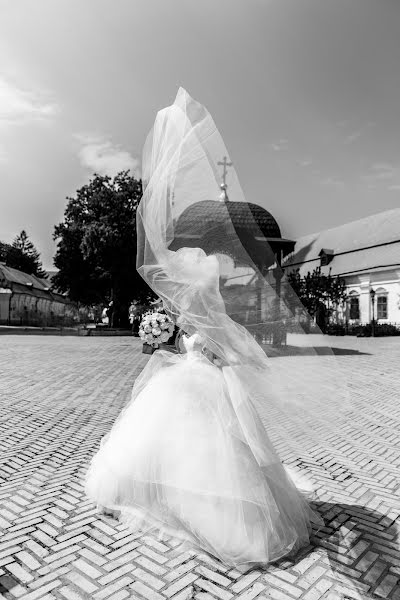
354, 306
381, 304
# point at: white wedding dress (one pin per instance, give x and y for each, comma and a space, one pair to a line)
177, 460
189, 455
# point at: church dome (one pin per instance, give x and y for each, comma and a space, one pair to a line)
208, 214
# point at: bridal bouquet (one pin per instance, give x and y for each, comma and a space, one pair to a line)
156, 328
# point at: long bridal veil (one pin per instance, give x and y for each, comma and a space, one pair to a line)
189, 454
199, 261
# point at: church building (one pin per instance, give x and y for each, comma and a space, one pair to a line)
242, 235
366, 255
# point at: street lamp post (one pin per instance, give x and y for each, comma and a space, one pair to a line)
372, 294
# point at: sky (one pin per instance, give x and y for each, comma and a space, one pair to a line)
306, 94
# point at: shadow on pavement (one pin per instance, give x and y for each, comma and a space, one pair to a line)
360, 546
272, 351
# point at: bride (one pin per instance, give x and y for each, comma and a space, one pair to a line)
189, 455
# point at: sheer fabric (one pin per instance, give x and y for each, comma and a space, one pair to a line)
189, 455
180, 170
177, 461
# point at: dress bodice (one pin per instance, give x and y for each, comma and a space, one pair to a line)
192, 344
196, 348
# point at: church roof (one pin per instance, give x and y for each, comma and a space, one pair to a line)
244, 215
365, 245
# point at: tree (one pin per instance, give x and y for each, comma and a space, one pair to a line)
4, 250
22, 255
96, 250
318, 292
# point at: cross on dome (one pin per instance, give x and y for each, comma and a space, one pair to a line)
224, 163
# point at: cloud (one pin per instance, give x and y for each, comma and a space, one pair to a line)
18, 105
101, 156
305, 162
383, 174
383, 170
279, 146
331, 182
353, 136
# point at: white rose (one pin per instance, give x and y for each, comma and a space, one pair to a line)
147, 328
141, 333
149, 338
164, 325
156, 331
171, 328
164, 336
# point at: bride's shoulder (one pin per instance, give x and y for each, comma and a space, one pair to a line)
193, 264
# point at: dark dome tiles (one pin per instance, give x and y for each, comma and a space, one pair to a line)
202, 216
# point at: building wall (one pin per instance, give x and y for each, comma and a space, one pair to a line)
384, 283
27, 309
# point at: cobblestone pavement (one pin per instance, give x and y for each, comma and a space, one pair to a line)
60, 395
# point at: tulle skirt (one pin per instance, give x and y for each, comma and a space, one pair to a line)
189, 457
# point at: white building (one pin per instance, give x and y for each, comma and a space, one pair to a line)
29, 300
366, 254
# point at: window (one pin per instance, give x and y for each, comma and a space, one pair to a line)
354, 307
382, 307
326, 256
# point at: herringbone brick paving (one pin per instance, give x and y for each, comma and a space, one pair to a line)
60, 395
